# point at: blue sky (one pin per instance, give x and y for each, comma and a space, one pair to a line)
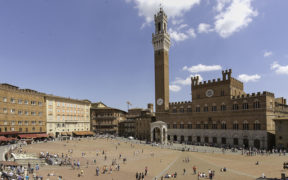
101, 50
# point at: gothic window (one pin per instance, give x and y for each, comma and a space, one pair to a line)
198, 109
245, 105
223, 125
257, 125
174, 110
256, 104
245, 125
235, 106
222, 93
214, 125
206, 126
235, 125
205, 109
223, 107
214, 108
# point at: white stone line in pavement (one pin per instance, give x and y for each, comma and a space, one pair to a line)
230, 170
168, 167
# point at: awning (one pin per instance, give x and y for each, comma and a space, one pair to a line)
32, 136
69, 133
63, 134
83, 133
50, 134
3, 138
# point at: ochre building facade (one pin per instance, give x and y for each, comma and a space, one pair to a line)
66, 115
104, 119
21, 110
220, 112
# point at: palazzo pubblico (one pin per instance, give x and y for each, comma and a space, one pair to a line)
219, 113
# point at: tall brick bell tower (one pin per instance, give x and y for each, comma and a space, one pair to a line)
161, 43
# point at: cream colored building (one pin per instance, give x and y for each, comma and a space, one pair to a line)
65, 115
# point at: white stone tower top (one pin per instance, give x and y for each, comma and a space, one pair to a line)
161, 39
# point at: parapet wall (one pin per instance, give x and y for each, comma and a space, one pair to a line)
180, 103
253, 95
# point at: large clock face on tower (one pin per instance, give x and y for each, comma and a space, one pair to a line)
209, 93
159, 102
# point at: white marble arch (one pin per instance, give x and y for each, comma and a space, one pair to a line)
161, 127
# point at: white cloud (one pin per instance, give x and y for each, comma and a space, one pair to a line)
174, 88
233, 15
191, 33
174, 9
204, 28
177, 21
202, 68
279, 69
268, 53
177, 36
181, 36
249, 78
182, 26
187, 81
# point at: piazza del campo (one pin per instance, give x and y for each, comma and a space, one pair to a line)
221, 133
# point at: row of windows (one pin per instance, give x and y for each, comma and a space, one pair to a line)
21, 112
77, 125
67, 105
223, 140
20, 101
67, 111
245, 106
245, 126
5, 129
22, 122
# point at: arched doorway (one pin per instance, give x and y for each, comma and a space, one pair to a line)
257, 143
245, 143
157, 135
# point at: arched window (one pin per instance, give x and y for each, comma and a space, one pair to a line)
189, 109
159, 27
245, 105
174, 126
245, 125
223, 107
214, 125
257, 125
198, 125
235, 106
206, 125
181, 125
214, 107
198, 108
256, 104
205, 108
174, 109
235, 125
223, 125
